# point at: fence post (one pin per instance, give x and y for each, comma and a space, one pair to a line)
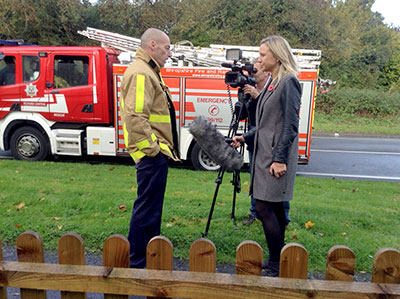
340, 264
30, 249
202, 256
71, 251
249, 256
386, 266
116, 254
3, 291
159, 254
294, 261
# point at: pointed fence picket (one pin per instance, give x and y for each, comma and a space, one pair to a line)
160, 280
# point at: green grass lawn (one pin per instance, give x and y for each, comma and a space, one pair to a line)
350, 124
95, 201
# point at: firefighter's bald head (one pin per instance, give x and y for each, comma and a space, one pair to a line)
157, 44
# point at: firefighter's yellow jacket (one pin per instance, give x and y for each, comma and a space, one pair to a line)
145, 110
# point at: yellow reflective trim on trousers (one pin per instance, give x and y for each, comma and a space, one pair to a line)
154, 118
153, 137
137, 155
122, 104
142, 144
139, 93
165, 147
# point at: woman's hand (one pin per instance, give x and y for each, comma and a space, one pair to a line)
277, 169
236, 141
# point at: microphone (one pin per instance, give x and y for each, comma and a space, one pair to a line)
215, 145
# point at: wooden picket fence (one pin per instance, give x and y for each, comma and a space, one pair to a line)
73, 278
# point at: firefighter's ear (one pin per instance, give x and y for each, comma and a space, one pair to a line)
153, 44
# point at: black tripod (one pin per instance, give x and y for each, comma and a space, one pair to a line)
236, 117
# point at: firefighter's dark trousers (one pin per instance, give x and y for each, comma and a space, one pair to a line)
151, 175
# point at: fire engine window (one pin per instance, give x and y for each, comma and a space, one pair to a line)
7, 70
31, 68
70, 71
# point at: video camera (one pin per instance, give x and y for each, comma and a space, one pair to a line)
236, 77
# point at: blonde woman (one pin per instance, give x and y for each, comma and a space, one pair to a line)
276, 144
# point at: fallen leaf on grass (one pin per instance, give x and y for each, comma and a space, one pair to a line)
20, 206
295, 237
221, 203
344, 233
346, 224
42, 199
57, 218
133, 188
122, 207
309, 224
59, 227
18, 225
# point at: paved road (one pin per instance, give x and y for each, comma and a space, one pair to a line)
361, 158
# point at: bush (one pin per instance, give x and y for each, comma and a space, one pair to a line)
359, 102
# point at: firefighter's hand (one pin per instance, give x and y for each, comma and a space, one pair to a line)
236, 141
251, 90
277, 169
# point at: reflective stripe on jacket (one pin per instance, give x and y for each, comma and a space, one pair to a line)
145, 114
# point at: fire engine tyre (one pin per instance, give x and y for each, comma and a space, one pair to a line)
201, 161
28, 143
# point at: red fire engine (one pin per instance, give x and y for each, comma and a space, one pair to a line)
65, 100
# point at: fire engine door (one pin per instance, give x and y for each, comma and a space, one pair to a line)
32, 73
69, 84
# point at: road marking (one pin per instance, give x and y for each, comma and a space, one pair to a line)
355, 152
350, 176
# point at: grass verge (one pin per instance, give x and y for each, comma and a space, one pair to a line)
350, 124
95, 201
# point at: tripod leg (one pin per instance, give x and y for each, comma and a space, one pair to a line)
218, 181
236, 189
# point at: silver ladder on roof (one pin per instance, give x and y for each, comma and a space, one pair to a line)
184, 51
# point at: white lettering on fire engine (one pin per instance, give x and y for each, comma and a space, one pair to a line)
212, 100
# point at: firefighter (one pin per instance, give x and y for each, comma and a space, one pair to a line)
149, 125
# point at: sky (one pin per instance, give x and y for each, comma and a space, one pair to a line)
389, 9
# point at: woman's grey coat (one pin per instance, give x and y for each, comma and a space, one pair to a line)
276, 140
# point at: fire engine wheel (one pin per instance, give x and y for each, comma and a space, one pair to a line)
29, 144
201, 161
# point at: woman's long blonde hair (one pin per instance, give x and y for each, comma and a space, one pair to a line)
282, 51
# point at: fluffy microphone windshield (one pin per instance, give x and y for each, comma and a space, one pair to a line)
213, 143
